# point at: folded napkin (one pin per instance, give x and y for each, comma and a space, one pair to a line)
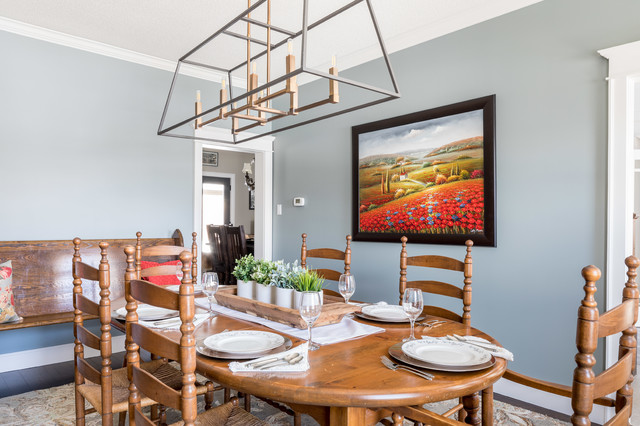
247, 367
493, 349
173, 323
347, 329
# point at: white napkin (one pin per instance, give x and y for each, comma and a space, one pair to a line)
492, 348
347, 329
173, 323
303, 365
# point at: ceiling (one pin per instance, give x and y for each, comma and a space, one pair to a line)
167, 29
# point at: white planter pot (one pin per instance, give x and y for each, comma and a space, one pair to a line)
298, 295
246, 289
264, 293
284, 297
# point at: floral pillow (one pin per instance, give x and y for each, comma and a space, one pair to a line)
7, 309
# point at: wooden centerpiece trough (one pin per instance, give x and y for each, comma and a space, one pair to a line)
333, 309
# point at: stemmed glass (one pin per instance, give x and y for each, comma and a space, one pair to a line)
412, 304
310, 308
179, 274
346, 287
209, 288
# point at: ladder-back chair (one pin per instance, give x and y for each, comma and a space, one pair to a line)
106, 390
218, 256
183, 397
327, 253
164, 259
588, 388
236, 247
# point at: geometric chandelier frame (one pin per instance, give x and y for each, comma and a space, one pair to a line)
254, 111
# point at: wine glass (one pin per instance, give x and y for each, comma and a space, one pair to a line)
209, 288
310, 308
412, 304
346, 287
179, 274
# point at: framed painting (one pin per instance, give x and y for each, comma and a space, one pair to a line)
210, 158
429, 175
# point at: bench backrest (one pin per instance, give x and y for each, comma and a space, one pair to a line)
42, 280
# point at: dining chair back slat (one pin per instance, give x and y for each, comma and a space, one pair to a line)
434, 261
616, 320
439, 287
155, 389
86, 272
329, 274
438, 311
154, 343
86, 305
87, 338
614, 377
327, 253
161, 254
158, 270
146, 292
88, 372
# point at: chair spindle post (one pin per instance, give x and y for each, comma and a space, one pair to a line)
466, 289
303, 252
403, 267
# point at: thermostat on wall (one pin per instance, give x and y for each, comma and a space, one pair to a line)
298, 201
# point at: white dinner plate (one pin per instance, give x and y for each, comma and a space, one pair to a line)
446, 353
149, 313
176, 288
385, 312
243, 341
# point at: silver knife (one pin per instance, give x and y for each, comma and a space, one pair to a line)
296, 359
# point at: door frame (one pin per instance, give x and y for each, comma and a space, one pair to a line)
624, 74
232, 195
262, 148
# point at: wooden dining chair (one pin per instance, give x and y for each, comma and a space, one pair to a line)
182, 397
218, 256
444, 289
106, 390
588, 388
164, 259
327, 253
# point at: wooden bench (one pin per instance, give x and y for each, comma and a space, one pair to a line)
42, 280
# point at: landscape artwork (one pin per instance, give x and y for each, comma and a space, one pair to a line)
427, 175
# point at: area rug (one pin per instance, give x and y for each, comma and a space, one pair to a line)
55, 406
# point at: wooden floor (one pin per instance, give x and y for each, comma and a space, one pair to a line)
46, 376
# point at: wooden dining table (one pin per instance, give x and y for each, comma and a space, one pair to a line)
347, 383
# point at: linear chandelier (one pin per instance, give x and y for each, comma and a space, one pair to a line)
264, 88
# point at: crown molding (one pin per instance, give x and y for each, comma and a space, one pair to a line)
99, 48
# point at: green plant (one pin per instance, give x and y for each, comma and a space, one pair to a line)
284, 274
245, 266
308, 280
262, 272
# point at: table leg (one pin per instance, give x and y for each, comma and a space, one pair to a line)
487, 406
471, 405
347, 416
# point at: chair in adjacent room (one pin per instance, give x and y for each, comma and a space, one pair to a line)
236, 247
218, 252
182, 398
327, 253
588, 388
106, 390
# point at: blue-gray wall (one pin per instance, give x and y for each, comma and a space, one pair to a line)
79, 154
549, 81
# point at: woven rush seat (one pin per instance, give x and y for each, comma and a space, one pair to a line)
158, 368
225, 415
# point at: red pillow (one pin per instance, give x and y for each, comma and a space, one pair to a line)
161, 279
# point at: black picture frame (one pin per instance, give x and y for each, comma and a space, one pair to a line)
429, 175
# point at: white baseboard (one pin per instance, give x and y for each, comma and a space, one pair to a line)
547, 400
49, 355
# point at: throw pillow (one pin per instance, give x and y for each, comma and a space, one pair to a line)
7, 306
161, 279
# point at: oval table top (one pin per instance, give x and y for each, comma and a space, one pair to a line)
350, 374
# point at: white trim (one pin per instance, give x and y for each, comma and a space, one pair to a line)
232, 195
104, 49
624, 73
547, 400
263, 151
49, 355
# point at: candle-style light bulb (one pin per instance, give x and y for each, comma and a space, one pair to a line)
197, 96
254, 68
289, 46
333, 60
224, 83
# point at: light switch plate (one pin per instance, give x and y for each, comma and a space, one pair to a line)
298, 201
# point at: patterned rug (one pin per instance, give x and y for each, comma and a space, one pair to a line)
55, 406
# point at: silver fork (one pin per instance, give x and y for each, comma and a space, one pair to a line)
431, 323
393, 366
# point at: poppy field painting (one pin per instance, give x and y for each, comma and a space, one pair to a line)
429, 175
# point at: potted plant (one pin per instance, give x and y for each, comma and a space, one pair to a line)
306, 280
262, 276
282, 279
245, 266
